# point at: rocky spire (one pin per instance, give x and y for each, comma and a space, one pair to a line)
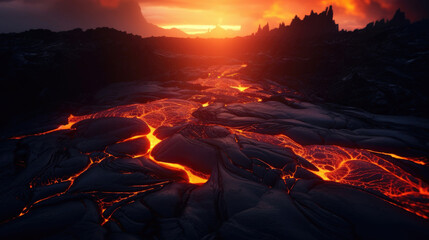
330, 13
399, 18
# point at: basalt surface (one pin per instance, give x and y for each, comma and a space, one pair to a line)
220, 157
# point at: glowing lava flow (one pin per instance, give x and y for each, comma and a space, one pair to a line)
355, 167
416, 161
70, 122
153, 140
191, 176
358, 167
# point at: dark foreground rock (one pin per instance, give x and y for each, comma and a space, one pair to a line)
255, 191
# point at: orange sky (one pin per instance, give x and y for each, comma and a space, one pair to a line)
196, 16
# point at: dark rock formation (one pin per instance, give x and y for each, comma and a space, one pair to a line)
315, 24
381, 68
398, 20
263, 31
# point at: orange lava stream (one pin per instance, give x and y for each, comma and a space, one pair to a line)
193, 178
70, 123
416, 161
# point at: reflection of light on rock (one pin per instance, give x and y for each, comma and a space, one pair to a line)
205, 104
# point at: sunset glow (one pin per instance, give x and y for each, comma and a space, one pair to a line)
199, 29
198, 18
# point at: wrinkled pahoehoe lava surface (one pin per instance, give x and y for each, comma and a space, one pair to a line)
239, 159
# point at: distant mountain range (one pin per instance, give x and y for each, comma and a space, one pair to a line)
133, 21
218, 32
84, 14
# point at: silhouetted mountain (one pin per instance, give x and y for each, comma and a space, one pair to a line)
315, 24
398, 20
263, 31
312, 25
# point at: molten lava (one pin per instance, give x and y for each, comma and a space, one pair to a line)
193, 178
358, 167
